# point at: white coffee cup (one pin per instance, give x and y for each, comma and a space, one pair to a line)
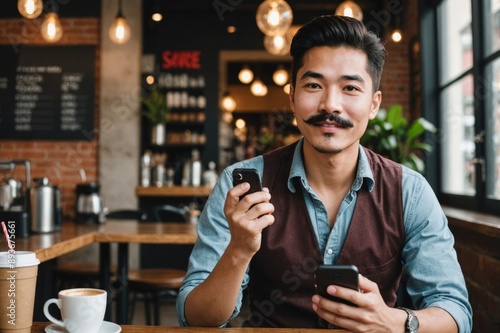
82, 309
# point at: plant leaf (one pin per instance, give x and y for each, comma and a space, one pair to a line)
418, 163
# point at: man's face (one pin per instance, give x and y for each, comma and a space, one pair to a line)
334, 83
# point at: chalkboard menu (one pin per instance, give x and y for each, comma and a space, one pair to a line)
47, 92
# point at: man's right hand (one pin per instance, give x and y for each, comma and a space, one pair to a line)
247, 218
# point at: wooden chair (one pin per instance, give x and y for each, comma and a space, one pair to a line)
154, 280
80, 274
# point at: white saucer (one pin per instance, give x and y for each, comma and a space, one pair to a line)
106, 327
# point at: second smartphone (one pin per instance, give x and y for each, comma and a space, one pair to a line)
340, 275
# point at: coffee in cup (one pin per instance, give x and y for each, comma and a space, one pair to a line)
82, 309
18, 272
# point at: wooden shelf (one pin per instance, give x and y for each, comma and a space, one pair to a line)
173, 191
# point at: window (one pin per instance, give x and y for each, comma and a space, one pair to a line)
466, 56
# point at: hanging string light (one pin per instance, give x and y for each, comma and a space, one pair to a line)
51, 28
274, 17
30, 9
119, 31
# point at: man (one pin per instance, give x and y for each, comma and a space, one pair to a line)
327, 200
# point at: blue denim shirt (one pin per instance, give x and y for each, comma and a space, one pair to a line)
428, 254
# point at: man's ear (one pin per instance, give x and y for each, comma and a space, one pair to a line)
376, 101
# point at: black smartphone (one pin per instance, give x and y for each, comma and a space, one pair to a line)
340, 275
247, 175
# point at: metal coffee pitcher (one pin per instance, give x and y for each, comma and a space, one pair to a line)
45, 207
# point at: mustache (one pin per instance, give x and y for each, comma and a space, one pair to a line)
331, 117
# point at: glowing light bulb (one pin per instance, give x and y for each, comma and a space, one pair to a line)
51, 28
228, 103
274, 17
277, 45
351, 9
119, 31
30, 9
396, 36
280, 76
157, 17
150, 79
286, 88
240, 123
245, 75
258, 88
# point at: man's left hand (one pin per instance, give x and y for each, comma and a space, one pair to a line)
370, 315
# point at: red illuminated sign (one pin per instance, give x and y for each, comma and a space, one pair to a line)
181, 60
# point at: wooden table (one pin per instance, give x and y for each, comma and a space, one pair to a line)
38, 327
75, 236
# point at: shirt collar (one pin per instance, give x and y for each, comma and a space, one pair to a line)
364, 172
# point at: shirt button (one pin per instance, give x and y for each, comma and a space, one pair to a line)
330, 251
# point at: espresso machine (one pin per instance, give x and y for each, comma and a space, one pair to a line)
89, 204
15, 198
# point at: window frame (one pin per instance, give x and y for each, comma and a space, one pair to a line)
431, 96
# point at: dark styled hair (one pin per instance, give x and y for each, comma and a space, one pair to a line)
333, 30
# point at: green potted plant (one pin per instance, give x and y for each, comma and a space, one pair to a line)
391, 135
155, 109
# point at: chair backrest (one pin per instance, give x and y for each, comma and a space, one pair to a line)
148, 254
169, 213
127, 214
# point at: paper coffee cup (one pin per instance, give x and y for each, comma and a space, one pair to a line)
18, 272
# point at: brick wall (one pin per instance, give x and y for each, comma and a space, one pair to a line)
478, 252
395, 83
59, 160
395, 79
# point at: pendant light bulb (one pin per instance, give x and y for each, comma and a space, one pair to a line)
274, 17
119, 31
277, 45
258, 88
280, 76
351, 9
245, 75
30, 9
228, 103
157, 17
51, 28
396, 35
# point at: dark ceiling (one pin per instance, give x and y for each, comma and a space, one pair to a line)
92, 8
71, 8
203, 5
299, 7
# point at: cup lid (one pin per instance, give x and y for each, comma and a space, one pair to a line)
18, 259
